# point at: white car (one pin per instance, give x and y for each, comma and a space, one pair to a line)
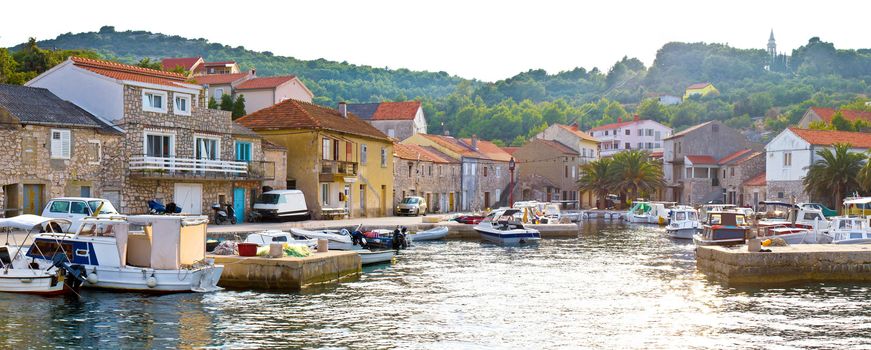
75, 209
282, 204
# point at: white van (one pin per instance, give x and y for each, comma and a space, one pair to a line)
284, 204
75, 209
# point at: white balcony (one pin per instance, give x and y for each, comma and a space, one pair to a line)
174, 167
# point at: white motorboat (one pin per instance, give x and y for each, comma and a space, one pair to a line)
796, 235
338, 240
850, 230
368, 257
18, 276
641, 212
504, 227
276, 236
684, 222
432, 234
153, 253
659, 212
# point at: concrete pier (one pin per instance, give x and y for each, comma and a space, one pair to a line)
288, 273
796, 263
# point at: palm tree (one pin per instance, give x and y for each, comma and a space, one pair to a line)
835, 174
633, 172
864, 176
594, 177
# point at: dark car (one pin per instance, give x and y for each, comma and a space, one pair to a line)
470, 219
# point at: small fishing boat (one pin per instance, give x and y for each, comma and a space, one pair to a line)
725, 228
338, 240
684, 222
276, 236
432, 234
641, 212
19, 276
505, 227
149, 253
850, 230
369, 257
659, 212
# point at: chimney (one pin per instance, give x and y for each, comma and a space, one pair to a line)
619, 119
474, 142
254, 72
636, 118
447, 132
575, 126
343, 109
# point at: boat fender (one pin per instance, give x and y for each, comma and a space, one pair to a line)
151, 282
92, 278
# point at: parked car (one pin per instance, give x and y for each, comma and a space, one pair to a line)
470, 219
282, 204
75, 209
411, 205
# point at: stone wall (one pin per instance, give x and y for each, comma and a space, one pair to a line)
402, 129
786, 191
737, 174
432, 181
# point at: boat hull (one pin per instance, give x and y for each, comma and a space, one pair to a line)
509, 237
682, 233
430, 235
204, 279
31, 282
377, 257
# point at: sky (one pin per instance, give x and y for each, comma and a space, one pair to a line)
486, 40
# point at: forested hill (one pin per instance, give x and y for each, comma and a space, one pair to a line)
750, 84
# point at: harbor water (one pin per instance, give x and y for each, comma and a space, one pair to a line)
615, 286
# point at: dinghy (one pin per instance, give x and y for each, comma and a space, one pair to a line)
369, 257
18, 276
432, 234
338, 240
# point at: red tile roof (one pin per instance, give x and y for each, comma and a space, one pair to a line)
422, 153
294, 114
749, 157
734, 156
265, 82
122, 71
490, 150
574, 129
758, 180
219, 79
396, 110
830, 137
186, 63
614, 125
557, 146
826, 114
697, 86
486, 149
510, 150
702, 160
656, 154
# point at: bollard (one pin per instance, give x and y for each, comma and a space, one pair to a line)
323, 245
754, 245
276, 250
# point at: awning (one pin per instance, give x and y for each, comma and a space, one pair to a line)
29, 222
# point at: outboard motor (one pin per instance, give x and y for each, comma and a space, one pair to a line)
357, 238
74, 274
399, 241
172, 208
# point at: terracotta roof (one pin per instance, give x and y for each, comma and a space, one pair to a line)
826, 114
396, 110
734, 156
614, 125
574, 129
688, 130
510, 150
423, 153
698, 86
657, 154
219, 79
122, 71
557, 146
265, 82
830, 137
486, 150
186, 63
295, 114
490, 150
758, 180
702, 160
751, 156
266, 144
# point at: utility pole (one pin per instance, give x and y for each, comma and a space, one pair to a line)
511, 165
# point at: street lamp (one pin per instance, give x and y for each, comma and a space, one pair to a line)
511, 165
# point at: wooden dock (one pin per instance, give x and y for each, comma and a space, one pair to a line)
795, 263
288, 273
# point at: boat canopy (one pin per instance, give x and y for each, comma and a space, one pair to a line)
778, 203
855, 201
30, 222
167, 242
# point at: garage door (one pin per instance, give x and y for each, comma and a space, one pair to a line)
189, 197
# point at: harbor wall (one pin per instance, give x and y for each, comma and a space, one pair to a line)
796, 263
288, 273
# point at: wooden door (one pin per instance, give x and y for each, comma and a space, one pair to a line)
33, 199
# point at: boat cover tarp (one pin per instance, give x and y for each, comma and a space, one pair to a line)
175, 240
29, 221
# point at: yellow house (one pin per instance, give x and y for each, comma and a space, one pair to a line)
700, 89
342, 164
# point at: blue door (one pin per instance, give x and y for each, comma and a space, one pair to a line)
239, 203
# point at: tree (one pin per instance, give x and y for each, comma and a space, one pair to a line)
594, 177
834, 174
226, 103
632, 173
239, 107
148, 63
653, 110
8, 66
212, 103
864, 176
840, 123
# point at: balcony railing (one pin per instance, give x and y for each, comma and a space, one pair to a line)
331, 169
193, 168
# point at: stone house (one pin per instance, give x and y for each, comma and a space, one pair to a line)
791, 152
398, 120
343, 165
735, 170
52, 148
585, 144
547, 171
691, 160
275, 154
636, 134
174, 148
823, 114
755, 190
426, 172
484, 177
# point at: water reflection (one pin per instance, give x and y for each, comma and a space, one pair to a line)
615, 286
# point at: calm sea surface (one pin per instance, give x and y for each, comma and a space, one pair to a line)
615, 286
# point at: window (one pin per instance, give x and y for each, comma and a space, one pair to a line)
474, 168
657, 145
779, 195
430, 170
658, 136
498, 172
59, 207
787, 158
335, 150
95, 151
159, 145
466, 169
325, 193
349, 152
628, 146
485, 171
649, 132
326, 148
207, 148
649, 145
640, 145
61, 144
678, 148
85, 191
410, 166
218, 93
640, 132
243, 151
154, 101
731, 172
363, 153
182, 104
574, 173
391, 133
606, 132
383, 157
628, 132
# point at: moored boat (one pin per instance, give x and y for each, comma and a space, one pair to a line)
432, 234
725, 228
276, 236
19, 276
850, 230
369, 257
503, 227
338, 240
683, 222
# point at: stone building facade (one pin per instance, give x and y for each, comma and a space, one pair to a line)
735, 172
397, 120
426, 172
547, 171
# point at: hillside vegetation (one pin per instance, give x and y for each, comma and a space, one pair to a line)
513, 109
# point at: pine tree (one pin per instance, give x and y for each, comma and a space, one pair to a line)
212, 103
239, 107
226, 103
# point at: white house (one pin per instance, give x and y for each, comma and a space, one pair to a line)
790, 153
645, 135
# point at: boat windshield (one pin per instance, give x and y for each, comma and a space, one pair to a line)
851, 225
106, 209
410, 200
680, 216
692, 216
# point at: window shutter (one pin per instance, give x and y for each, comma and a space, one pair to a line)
66, 144
61, 144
